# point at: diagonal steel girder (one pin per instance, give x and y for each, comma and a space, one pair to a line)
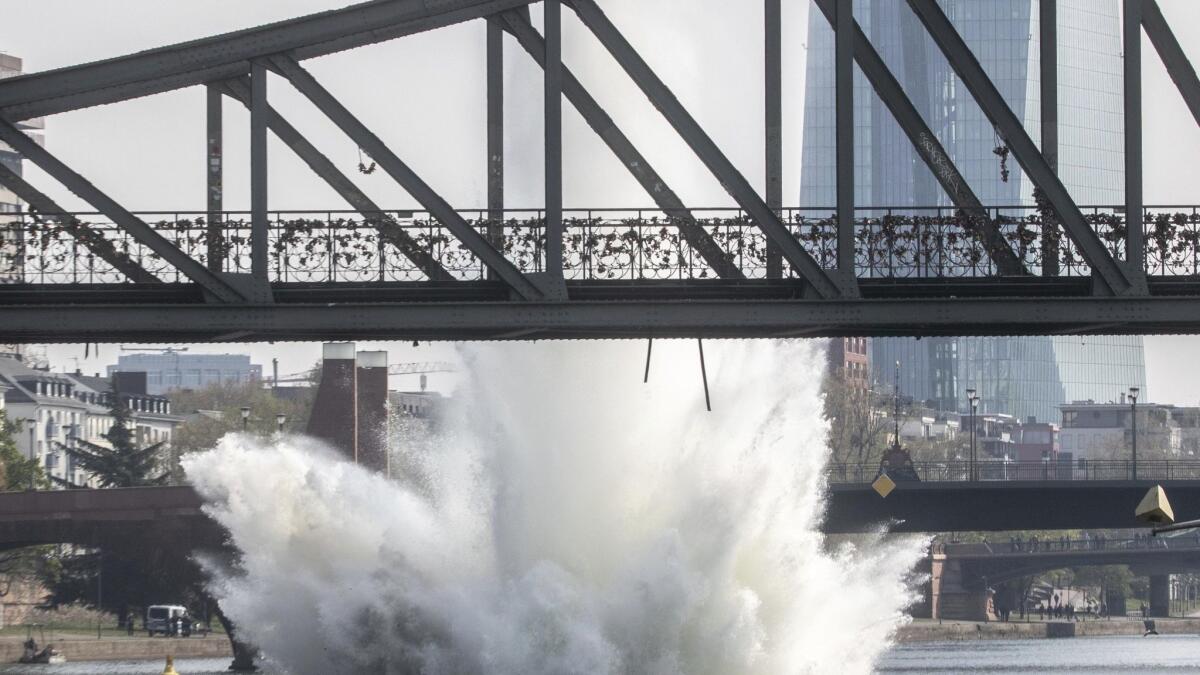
306, 84
210, 281
686, 126
1110, 274
389, 230
928, 147
47, 209
1173, 57
224, 56
517, 23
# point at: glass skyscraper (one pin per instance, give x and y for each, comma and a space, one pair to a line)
1025, 377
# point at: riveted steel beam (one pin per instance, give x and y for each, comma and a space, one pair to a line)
518, 24
823, 285
928, 147
406, 177
1179, 67
552, 124
389, 230
220, 288
370, 318
495, 133
214, 169
45, 208
229, 55
259, 220
1111, 276
1135, 230
773, 122
843, 40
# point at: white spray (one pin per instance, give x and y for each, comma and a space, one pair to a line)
573, 520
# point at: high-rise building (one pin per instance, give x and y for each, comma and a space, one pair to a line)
171, 369
1025, 377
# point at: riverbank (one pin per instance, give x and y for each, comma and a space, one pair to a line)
81, 647
927, 630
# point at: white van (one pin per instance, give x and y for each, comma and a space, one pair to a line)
164, 619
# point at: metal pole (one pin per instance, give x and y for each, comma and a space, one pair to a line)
844, 106
1133, 410
258, 171
704, 376
1135, 236
1048, 39
495, 135
214, 169
553, 124
649, 346
773, 87
99, 591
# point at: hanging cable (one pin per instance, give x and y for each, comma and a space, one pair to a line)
649, 346
704, 375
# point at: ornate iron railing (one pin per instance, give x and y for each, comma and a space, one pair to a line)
998, 470
599, 244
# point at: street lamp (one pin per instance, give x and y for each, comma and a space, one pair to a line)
280, 420
245, 418
973, 399
1133, 394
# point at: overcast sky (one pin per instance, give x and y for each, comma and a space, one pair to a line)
423, 95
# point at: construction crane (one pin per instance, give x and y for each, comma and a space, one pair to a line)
161, 350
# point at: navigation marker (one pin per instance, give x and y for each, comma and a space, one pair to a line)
1154, 508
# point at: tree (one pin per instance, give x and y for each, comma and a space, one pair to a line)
858, 432
17, 472
124, 464
227, 400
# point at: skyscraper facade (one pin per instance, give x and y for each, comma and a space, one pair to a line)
1026, 377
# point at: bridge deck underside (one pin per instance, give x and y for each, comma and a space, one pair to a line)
596, 309
1013, 505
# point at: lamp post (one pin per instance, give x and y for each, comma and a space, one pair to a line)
973, 400
32, 448
1133, 394
245, 418
280, 420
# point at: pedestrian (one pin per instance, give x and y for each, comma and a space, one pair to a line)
1041, 612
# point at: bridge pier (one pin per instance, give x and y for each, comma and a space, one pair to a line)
952, 594
1160, 595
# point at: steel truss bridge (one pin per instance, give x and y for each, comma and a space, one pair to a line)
759, 269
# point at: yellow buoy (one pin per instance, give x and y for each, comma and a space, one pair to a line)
1154, 508
883, 485
170, 669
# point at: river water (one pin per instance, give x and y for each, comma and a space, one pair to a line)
1114, 654
1118, 654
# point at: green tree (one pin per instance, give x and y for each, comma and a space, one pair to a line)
124, 464
226, 401
17, 472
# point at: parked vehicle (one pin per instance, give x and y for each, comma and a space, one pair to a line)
170, 620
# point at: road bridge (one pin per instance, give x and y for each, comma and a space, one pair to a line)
439, 272
962, 573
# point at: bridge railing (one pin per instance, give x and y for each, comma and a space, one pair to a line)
599, 244
1045, 544
996, 470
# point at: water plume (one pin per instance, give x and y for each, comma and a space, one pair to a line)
568, 519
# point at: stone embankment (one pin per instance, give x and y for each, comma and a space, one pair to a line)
82, 648
925, 630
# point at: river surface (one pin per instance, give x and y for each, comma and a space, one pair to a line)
1117, 654
1113, 654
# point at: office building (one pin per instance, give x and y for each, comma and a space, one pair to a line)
173, 369
1024, 377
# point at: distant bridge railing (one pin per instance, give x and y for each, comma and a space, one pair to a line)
599, 244
1037, 544
995, 470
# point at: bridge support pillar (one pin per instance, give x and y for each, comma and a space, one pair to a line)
334, 417
952, 597
372, 421
1160, 595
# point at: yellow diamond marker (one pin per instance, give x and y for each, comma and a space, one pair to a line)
883, 485
1154, 507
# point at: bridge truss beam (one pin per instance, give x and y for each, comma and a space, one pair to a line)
295, 316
